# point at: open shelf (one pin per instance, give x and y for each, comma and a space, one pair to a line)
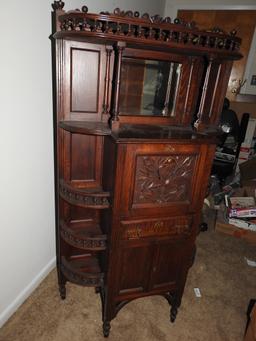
83, 235
85, 127
83, 197
83, 270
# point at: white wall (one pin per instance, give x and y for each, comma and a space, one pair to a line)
172, 6
150, 6
27, 245
27, 241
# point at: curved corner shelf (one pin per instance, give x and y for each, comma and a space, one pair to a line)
83, 235
83, 270
82, 197
85, 127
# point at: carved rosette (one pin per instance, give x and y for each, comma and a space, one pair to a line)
175, 227
163, 179
83, 198
94, 243
80, 277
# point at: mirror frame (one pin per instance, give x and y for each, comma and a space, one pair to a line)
189, 80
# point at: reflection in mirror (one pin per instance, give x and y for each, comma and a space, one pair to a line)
148, 87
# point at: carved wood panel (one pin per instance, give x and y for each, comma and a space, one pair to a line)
163, 179
160, 176
174, 227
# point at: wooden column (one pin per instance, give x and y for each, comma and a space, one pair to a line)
116, 85
106, 108
199, 124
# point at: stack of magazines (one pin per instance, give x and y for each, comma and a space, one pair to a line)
241, 212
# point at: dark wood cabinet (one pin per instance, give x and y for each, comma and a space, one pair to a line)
137, 103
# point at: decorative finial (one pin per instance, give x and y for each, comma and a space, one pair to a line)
191, 25
145, 16
128, 14
156, 19
58, 5
85, 9
233, 32
167, 20
217, 29
117, 11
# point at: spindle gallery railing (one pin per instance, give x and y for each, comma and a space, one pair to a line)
131, 26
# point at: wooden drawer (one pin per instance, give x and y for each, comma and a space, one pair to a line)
174, 227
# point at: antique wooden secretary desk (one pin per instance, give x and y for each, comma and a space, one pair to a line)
137, 106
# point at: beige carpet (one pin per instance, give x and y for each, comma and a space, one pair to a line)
220, 271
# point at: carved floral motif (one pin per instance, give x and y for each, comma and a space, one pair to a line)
169, 227
163, 179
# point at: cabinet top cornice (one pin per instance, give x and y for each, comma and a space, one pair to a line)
150, 31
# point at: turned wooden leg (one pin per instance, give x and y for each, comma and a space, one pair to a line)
106, 328
176, 301
62, 283
168, 297
62, 290
97, 290
173, 313
193, 256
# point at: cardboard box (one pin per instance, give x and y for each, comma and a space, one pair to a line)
223, 226
243, 224
248, 173
246, 148
222, 221
250, 191
231, 230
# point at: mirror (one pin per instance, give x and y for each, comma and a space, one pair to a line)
148, 87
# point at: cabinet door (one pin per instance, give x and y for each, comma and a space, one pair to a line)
83, 81
164, 179
151, 267
135, 263
170, 263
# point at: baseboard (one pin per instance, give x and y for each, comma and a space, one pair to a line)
7, 313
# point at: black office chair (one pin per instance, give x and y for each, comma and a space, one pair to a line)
225, 160
226, 157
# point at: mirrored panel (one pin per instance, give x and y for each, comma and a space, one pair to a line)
148, 87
